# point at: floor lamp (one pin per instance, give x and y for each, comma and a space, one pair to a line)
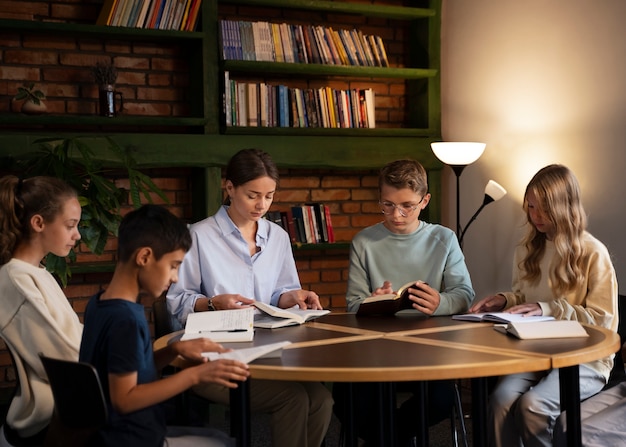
493, 193
458, 155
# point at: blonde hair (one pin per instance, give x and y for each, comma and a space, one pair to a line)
558, 194
20, 200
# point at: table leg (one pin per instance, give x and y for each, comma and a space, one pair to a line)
479, 410
240, 414
569, 381
422, 415
349, 428
386, 413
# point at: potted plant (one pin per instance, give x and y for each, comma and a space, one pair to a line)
72, 159
32, 98
105, 75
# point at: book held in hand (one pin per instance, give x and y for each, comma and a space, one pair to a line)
246, 355
543, 329
221, 325
274, 317
501, 317
388, 303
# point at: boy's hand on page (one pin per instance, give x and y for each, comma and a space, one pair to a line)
224, 372
385, 289
304, 299
425, 298
193, 349
491, 303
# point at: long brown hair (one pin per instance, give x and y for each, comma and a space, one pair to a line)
22, 199
558, 194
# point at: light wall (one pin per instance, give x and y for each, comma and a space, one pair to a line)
539, 81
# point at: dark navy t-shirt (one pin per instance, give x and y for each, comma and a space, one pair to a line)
116, 339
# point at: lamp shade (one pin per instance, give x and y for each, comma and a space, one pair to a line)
495, 191
458, 153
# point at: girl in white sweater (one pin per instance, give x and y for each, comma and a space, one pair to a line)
38, 216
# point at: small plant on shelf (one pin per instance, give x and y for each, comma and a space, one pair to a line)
27, 92
104, 73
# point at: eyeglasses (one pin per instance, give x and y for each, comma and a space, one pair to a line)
404, 210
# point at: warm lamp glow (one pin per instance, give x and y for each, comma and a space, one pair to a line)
458, 153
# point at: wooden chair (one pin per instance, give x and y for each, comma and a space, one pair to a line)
80, 408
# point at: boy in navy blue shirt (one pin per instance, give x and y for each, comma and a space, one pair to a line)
116, 339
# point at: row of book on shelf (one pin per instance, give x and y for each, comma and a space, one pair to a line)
249, 104
308, 44
307, 224
179, 15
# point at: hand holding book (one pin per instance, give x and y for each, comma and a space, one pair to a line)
389, 303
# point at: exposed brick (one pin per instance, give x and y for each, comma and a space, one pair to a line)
293, 196
324, 195
20, 73
299, 182
365, 194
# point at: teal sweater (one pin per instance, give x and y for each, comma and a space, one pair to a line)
431, 254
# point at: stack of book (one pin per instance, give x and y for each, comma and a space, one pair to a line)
282, 42
266, 105
179, 15
307, 224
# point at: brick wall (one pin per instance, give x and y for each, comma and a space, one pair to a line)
153, 80
351, 196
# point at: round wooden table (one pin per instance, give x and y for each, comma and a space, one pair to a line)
346, 348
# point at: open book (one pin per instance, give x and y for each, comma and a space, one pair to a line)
246, 355
221, 325
543, 329
501, 317
389, 303
274, 317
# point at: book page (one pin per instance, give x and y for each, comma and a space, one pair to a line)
294, 313
501, 317
247, 355
220, 324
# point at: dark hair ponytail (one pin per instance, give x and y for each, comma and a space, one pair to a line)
22, 199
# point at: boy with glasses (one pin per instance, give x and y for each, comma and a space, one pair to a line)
395, 251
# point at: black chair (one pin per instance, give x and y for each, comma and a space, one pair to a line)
80, 408
618, 374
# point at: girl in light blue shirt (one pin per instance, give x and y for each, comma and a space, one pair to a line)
238, 257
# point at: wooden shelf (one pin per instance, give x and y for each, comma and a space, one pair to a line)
97, 120
390, 12
108, 32
312, 70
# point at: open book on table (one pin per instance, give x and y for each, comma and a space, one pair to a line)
543, 329
388, 303
501, 317
221, 325
246, 355
274, 317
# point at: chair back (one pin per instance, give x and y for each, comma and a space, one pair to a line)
79, 405
618, 374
